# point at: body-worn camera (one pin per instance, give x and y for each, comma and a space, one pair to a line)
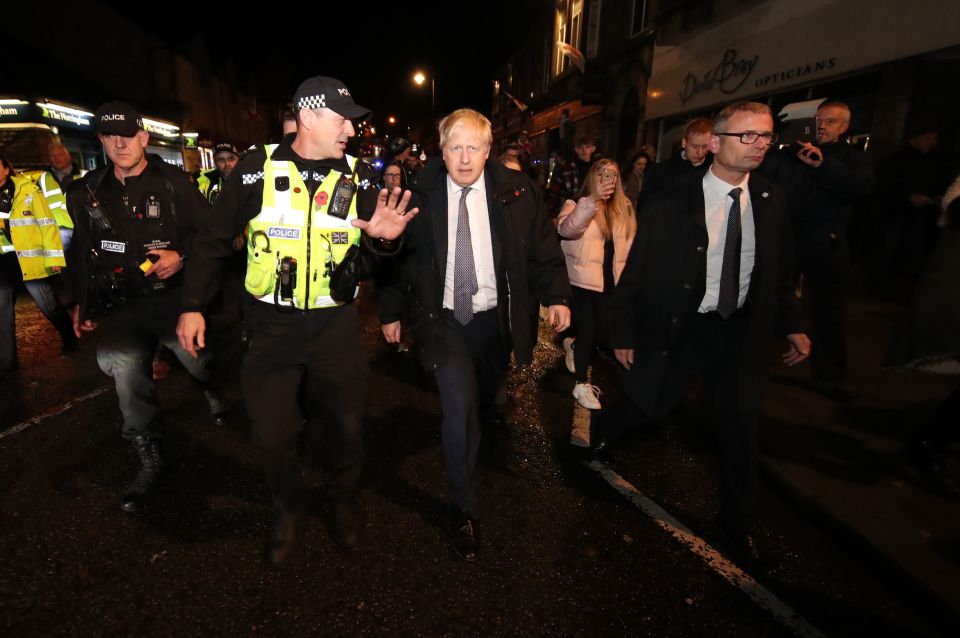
343, 193
288, 278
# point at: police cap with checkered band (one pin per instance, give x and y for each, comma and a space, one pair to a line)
322, 92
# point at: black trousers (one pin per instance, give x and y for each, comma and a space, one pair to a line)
325, 349
827, 288
590, 316
475, 369
713, 351
44, 294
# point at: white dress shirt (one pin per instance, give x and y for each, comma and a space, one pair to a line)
717, 202
480, 239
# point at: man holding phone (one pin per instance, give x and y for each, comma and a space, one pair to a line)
837, 174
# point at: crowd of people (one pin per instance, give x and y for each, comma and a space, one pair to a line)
684, 269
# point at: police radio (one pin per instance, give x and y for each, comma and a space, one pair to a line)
288, 278
343, 193
100, 221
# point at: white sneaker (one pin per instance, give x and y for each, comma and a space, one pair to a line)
568, 348
587, 395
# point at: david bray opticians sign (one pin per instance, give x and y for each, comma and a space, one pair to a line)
734, 71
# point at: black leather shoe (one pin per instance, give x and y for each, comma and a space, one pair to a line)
930, 465
463, 537
348, 522
738, 547
600, 452
599, 448
285, 539
218, 405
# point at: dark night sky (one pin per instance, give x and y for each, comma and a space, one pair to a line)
374, 47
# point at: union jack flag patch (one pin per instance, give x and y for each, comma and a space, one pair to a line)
340, 237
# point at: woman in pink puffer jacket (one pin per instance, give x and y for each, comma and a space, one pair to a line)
597, 231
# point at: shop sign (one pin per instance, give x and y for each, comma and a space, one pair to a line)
795, 73
733, 72
64, 115
727, 77
14, 111
160, 128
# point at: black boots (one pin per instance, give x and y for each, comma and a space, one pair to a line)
927, 459
150, 467
218, 404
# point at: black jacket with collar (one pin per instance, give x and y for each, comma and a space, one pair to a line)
527, 258
664, 281
182, 211
845, 177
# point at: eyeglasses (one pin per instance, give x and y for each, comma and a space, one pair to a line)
749, 137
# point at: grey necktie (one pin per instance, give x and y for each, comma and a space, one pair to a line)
730, 271
464, 272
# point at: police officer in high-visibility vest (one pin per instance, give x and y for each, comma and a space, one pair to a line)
136, 219
30, 251
225, 156
53, 184
316, 225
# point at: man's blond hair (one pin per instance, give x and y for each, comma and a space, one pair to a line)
469, 118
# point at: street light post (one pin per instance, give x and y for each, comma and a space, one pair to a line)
419, 78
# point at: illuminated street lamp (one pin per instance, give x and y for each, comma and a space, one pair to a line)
419, 78
392, 120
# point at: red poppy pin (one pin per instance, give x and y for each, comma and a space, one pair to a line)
321, 198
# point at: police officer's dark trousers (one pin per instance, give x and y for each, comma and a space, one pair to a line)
324, 347
127, 341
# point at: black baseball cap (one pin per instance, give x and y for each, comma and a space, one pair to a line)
225, 147
323, 92
118, 118
399, 145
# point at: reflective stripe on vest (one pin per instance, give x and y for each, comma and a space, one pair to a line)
31, 221
39, 253
291, 224
56, 200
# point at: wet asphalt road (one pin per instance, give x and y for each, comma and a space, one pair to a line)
562, 552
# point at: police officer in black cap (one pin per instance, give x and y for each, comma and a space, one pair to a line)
136, 219
316, 223
225, 156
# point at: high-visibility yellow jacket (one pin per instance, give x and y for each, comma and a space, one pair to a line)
210, 184
292, 224
30, 229
56, 199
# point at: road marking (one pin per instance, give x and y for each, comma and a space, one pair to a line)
20, 427
714, 559
580, 432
